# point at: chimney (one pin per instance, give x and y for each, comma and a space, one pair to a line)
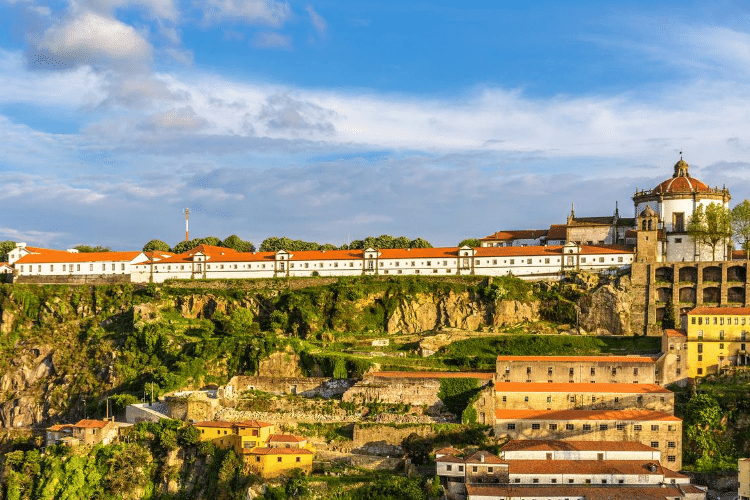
481, 458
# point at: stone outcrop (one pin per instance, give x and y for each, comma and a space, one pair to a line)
27, 378
426, 312
607, 310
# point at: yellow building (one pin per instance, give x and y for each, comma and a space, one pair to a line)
266, 453
717, 339
270, 462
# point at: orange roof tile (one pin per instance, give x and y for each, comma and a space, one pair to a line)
603, 388
450, 459
280, 451
707, 311
215, 423
253, 423
46, 258
582, 359
643, 415
60, 427
477, 375
449, 450
92, 424
589, 492
557, 232
625, 467
556, 445
675, 333
488, 457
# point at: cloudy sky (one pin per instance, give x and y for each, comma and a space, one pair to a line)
333, 120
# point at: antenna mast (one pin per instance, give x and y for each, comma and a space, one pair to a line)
187, 217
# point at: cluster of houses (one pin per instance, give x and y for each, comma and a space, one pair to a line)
262, 450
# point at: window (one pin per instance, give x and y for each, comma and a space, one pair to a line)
549, 371
604, 481
603, 427
721, 334
700, 357
528, 261
553, 480
570, 481
528, 369
278, 459
525, 399
671, 444
654, 427
511, 427
546, 261
586, 427
678, 240
516, 479
505, 399
700, 371
490, 469
449, 467
617, 399
549, 399
553, 427
474, 469
593, 399
535, 480
654, 444
700, 347
721, 346
671, 458
535, 426
91, 267
678, 221
593, 371
512, 261
569, 427
620, 426
637, 427
460, 468
635, 371
572, 399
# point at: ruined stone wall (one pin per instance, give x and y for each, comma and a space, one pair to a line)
686, 285
303, 386
390, 435
411, 391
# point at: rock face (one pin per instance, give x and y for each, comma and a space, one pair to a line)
457, 310
27, 378
606, 310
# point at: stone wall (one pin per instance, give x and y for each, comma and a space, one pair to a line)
196, 407
69, 279
686, 285
304, 386
411, 391
390, 435
376, 463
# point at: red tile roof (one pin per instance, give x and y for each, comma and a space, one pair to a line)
675, 333
589, 492
550, 250
448, 451
488, 457
723, 311
603, 388
438, 375
642, 415
215, 423
517, 234
92, 424
60, 427
555, 445
280, 451
582, 359
624, 467
557, 232
58, 256
681, 184
252, 423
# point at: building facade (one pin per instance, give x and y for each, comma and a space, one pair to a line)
717, 339
577, 369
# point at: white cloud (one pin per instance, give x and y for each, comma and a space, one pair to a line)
317, 20
161, 9
263, 12
272, 40
90, 35
183, 119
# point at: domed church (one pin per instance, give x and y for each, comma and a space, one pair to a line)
663, 213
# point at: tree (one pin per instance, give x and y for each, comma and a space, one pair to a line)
185, 246
470, 242
420, 243
156, 245
668, 321
417, 447
710, 226
339, 369
5, 247
90, 249
741, 226
236, 243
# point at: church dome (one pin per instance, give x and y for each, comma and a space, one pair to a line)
681, 182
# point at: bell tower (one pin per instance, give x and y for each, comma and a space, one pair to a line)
647, 239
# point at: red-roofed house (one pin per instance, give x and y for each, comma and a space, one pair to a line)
92, 432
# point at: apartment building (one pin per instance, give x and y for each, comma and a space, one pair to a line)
717, 339
656, 429
577, 369
578, 396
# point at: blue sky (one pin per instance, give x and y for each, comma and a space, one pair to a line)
329, 121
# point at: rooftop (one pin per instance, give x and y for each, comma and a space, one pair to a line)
582, 359
280, 451
477, 375
640, 415
587, 492
92, 424
555, 445
723, 311
580, 387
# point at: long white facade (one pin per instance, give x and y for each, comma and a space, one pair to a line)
209, 262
